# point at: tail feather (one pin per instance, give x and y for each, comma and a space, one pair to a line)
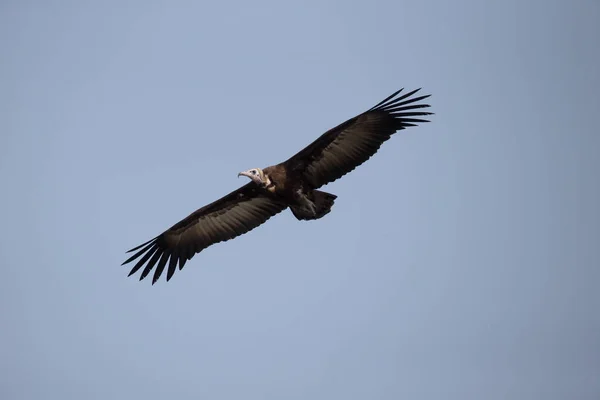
321, 203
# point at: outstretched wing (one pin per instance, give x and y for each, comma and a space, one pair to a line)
234, 214
345, 147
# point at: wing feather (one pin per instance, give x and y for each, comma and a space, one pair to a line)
233, 215
345, 147
172, 267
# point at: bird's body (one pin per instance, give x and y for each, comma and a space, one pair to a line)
293, 183
287, 185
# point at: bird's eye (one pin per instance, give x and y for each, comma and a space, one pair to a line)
253, 172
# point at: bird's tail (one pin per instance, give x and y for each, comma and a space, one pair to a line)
321, 203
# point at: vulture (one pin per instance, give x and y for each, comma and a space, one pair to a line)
291, 184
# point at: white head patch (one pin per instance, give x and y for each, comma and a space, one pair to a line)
257, 175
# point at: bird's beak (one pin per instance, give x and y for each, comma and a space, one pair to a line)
244, 173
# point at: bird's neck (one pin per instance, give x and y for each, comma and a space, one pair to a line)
268, 182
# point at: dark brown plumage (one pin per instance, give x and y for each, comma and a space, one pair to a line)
235, 214
293, 184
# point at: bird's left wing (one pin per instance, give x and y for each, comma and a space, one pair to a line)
348, 145
234, 214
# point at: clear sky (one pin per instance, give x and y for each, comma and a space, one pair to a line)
461, 262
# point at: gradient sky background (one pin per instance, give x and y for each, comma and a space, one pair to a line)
462, 262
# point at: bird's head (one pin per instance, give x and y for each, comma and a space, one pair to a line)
257, 175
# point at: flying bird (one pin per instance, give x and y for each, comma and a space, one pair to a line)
293, 183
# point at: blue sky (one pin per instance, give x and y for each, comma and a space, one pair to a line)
461, 262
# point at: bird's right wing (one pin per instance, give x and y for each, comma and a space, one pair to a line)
234, 214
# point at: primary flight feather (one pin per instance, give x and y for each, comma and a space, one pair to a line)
292, 183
